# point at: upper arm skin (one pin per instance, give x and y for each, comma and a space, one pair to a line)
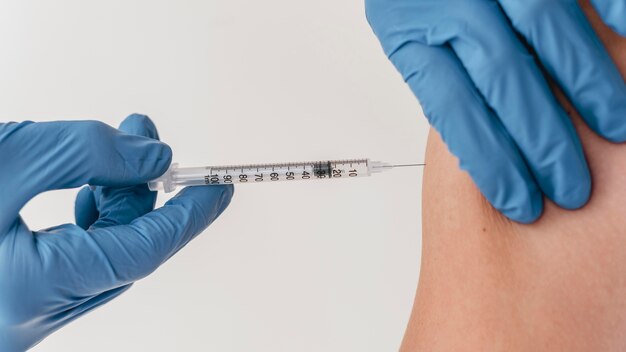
487, 284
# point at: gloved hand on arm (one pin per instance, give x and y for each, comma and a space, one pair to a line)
49, 278
469, 64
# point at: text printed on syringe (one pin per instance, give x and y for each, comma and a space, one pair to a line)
284, 172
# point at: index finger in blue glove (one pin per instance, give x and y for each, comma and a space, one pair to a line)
613, 12
57, 155
571, 52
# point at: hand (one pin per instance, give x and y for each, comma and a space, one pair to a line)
488, 98
49, 278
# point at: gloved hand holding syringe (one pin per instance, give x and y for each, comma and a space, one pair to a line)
264, 173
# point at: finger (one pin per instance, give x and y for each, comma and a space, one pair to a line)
139, 125
38, 157
85, 210
513, 86
469, 128
613, 12
121, 205
133, 251
573, 55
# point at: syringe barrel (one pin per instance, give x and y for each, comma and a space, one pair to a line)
261, 173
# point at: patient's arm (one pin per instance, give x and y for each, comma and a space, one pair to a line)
488, 284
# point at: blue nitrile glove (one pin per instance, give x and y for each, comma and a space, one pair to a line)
614, 13
51, 277
486, 95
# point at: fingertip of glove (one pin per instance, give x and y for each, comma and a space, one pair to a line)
85, 209
526, 214
139, 125
85, 194
621, 31
526, 219
618, 28
608, 119
166, 156
158, 153
156, 159
575, 198
615, 135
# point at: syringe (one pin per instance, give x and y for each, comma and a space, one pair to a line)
266, 173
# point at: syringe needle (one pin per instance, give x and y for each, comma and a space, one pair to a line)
405, 165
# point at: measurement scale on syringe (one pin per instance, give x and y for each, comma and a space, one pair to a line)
264, 173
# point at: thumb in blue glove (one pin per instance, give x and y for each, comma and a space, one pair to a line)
49, 278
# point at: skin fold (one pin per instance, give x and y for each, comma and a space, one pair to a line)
487, 284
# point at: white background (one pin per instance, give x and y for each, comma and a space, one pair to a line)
289, 267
